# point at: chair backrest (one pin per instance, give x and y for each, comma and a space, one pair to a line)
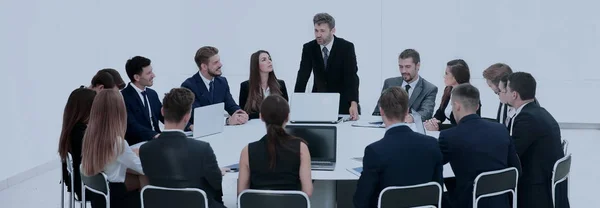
420, 195
96, 183
266, 198
565, 144
156, 197
493, 183
561, 170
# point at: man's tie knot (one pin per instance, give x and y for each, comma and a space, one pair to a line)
407, 87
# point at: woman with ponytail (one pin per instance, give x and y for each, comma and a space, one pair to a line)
457, 72
278, 161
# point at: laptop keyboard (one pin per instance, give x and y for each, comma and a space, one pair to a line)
321, 165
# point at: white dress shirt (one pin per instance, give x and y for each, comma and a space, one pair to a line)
509, 114
206, 81
139, 91
412, 86
266, 93
448, 109
116, 170
328, 46
512, 122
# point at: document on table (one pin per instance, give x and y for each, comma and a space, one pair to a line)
356, 171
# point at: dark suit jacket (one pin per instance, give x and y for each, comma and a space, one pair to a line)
422, 99
175, 161
340, 74
440, 115
245, 92
139, 128
401, 158
221, 94
538, 142
474, 146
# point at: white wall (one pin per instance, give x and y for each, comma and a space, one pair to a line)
47, 48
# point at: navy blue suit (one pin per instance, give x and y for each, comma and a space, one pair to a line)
474, 146
401, 158
221, 93
139, 128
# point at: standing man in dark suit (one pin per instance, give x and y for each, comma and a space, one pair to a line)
210, 87
143, 105
538, 143
175, 161
421, 93
401, 158
333, 63
493, 75
474, 146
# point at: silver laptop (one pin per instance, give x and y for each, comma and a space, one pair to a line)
322, 144
315, 108
208, 120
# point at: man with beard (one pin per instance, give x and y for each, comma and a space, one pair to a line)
210, 87
421, 92
142, 103
332, 60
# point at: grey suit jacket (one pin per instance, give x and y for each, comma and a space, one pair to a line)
422, 99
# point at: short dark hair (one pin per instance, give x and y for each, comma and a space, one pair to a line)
522, 83
177, 103
456, 62
136, 65
105, 79
467, 95
495, 72
394, 103
321, 18
116, 77
410, 53
203, 54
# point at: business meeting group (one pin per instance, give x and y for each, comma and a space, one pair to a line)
111, 129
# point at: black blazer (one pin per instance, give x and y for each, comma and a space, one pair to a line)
538, 142
245, 92
175, 161
221, 94
474, 146
340, 74
138, 122
401, 158
440, 115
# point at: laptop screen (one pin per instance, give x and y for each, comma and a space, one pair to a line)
321, 140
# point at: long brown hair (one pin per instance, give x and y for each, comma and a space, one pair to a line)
460, 70
77, 110
103, 139
255, 97
274, 112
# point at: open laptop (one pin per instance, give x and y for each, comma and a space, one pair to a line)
318, 108
322, 144
208, 120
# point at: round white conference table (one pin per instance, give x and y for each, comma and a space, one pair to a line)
351, 143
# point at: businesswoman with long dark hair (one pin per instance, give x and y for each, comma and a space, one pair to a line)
261, 84
457, 72
75, 118
278, 161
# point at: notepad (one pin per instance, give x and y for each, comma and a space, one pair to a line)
234, 167
356, 171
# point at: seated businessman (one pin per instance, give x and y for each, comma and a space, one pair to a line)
142, 103
474, 146
421, 93
401, 158
210, 87
174, 161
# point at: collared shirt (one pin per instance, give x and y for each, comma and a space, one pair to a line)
206, 81
512, 120
509, 114
328, 46
139, 91
412, 86
395, 125
173, 130
266, 93
448, 109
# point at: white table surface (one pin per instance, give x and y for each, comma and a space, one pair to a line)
351, 142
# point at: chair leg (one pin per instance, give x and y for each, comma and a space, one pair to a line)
62, 194
71, 202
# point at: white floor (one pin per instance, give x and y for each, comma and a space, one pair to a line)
44, 190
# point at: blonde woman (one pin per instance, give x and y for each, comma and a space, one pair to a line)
105, 150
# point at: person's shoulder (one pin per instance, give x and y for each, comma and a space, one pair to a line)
311, 43
393, 80
427, 84
246, 83
221, 79
343, 41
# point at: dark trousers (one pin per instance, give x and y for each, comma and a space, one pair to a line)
119, 197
